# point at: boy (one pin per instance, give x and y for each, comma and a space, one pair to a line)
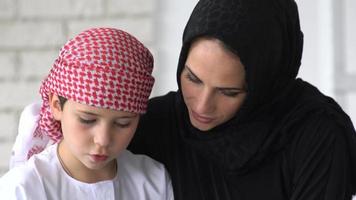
91, 104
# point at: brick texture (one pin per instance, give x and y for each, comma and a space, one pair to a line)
7, 9
7, 132
140, 27
351, 106
60, 9
34, 65
119, 7
5, 149
32, 35
7, 61
18, 94
350, 32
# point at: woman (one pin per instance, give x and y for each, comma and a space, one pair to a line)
241, 125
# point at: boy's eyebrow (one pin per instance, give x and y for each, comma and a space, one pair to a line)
219, 88
94, 114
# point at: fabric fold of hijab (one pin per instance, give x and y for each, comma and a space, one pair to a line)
101, 67
269, 42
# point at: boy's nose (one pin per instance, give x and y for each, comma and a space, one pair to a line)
102, 136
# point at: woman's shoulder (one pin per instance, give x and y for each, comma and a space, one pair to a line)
322, 148
314, 114
326, 124
321, 136
161, 103
159, 110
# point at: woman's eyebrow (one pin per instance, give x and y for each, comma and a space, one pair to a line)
219, 88
243, 88
192, 73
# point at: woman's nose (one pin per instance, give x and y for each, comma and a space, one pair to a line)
204, 102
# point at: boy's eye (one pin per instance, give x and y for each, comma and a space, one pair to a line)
86, 121
122, 124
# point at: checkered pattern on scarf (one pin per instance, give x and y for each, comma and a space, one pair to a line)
101, 67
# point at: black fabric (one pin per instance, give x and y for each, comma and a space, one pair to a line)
288, 141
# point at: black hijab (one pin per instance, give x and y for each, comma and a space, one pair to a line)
266, 35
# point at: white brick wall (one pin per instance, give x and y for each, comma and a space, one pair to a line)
7, 61
140, 27
34, 65
60, 9
351, 106
8, 131
15, 95
31, 34
119, 7
5, 149
7, 9
350, 32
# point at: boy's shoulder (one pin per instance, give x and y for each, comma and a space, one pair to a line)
32, 172
139, 164
26, 181
18, 175
147, 177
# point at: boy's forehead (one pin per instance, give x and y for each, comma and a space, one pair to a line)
97, 111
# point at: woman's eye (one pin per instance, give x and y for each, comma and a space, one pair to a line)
192, 79
86, 121
230, 93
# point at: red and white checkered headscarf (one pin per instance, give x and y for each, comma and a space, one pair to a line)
101, 67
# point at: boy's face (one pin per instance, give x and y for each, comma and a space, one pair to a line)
93, 136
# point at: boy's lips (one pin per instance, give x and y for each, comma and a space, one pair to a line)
98, 158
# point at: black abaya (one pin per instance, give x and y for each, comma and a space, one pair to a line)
288, 141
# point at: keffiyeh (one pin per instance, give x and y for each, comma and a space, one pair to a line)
101, 67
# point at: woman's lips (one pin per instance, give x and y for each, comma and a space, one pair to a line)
202, 119
98, 158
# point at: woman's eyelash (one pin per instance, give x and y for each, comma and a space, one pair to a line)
230, 94
193, 79
226, 93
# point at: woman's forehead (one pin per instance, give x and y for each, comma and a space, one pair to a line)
210, 61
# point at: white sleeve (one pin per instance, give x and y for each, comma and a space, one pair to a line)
20, 184
24, 139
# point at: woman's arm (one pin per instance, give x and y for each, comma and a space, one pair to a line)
320, 162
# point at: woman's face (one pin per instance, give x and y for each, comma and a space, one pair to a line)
213, 84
